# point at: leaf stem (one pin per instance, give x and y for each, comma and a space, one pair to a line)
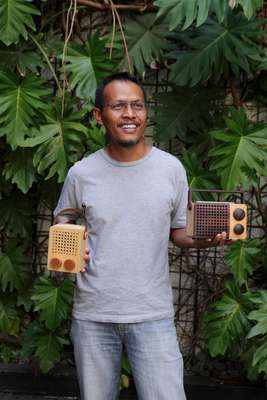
47, 60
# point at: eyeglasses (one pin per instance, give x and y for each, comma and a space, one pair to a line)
119, 106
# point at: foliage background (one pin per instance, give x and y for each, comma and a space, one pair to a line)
196, 57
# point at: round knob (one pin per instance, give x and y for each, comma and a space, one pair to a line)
69, 265
55, 263
239, 214
238, 229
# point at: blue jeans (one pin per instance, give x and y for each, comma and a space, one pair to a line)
152, 349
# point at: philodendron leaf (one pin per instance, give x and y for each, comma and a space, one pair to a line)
52, 300
178, 111
241, 259
184, 12
60, 142
225, 323
16, 16
213, 49
259, 315
87, 65
16, 215
198, 176
243, 147
15, 269
20, 56
21, 101
146, 39
44, 344
19, 168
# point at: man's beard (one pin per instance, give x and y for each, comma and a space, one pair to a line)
128, 143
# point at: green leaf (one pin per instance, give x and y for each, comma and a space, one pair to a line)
21, 56
241, 258
226, 323
214, 48
198, 175
249, 6
15, 269
60, 141
16, 215
88, 65
53, 301
19, 168
9, 321
46, 345
146, 39
178, 111
21, 101
96, 138
259, 315
184, 12
243, 148
15, 19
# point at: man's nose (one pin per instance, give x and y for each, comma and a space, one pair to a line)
128, 110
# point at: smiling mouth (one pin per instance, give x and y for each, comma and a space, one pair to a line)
128, 127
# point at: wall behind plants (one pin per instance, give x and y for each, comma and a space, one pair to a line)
195, 57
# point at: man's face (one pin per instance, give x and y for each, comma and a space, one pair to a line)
124, 114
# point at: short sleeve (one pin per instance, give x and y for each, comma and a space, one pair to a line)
178, 216
68, 196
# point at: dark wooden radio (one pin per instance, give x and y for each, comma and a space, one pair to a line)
205, 219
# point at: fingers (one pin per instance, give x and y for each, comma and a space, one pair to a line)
86, 259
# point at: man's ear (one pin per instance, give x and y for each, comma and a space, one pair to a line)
97, 115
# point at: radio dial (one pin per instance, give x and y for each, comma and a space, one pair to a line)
239, 214
239, 229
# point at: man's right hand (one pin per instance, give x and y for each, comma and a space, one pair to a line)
86, 259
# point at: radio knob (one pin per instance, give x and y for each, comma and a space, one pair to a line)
55, 263
69, 265
239, 229
239, 214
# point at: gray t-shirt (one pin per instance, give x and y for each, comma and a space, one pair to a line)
130, 208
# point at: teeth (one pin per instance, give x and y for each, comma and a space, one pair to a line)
129, 126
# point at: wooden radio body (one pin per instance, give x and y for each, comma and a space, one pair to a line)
66, 248
205, 219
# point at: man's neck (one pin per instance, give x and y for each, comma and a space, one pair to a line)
128, 154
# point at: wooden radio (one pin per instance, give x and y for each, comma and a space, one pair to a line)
66, 245
205, 219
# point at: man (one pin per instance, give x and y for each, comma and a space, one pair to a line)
135, 199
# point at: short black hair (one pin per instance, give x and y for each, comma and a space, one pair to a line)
119, 76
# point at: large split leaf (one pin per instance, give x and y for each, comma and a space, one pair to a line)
21, 56
243, 149
88, 65
180, 110
185, 12
199, 177
241, 259
214, 48
15, 269
43, 343
146, 39
53, 300
259, 315
182, 13
19, 168
15, 19
59, 141
16, 212
20, 102
226, 323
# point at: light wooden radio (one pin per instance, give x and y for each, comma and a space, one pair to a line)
66, 245
205, 219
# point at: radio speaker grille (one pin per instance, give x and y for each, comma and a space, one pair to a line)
211, 218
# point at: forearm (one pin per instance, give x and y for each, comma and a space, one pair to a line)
180, 239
